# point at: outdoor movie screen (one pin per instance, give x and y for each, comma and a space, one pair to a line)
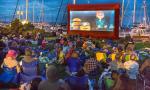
95, 20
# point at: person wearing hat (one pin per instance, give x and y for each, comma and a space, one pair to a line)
10, 68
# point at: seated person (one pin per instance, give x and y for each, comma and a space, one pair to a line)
79, 81
132, 67
10, 68
43, 62
53, 82
29, 67
74, 63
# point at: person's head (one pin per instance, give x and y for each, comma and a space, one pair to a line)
35, 83
59, 49
52, 73
129, 50
117, 56
115, 50
14, 44
74, 55
43, 54
114, 75
120, 48
100, 14
28, 52
34, 52
65, 43
133, 57
12, 54
92, 54
129, 45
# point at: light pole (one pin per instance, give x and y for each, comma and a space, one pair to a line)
33, 12
145, 21
74, 1
19, 13
122, 12
26, 20
134, 12
26, 10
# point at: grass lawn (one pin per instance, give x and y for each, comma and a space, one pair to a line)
50, 38
141, 45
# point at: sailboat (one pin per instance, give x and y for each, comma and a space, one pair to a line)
142, 30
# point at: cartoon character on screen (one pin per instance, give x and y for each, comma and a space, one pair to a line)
101, 21
85, 26
76, 24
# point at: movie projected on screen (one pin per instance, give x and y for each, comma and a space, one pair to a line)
95, 20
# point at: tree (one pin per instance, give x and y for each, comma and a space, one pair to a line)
28, 26
16, 26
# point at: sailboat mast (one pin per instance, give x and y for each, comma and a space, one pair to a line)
33, 11
19, 13
22, 13
145, 23
26, 10
122, 12
134, 11
74, 1
42, 11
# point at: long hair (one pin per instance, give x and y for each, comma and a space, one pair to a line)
28, 52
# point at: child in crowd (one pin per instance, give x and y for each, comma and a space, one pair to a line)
43, 62
113, 54
61, 56
52, 55
44, 42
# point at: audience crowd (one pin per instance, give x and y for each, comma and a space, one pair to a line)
71, 63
